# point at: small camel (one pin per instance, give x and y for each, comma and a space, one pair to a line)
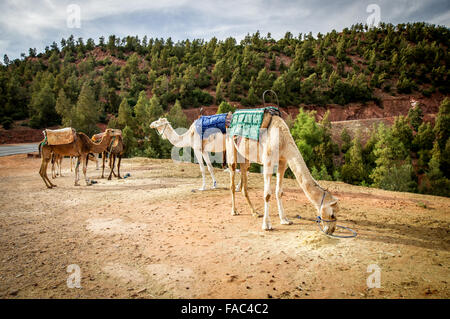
115, 150
80, 148
277, 148
214, 143
56, 165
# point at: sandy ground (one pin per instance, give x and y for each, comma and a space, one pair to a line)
152, 236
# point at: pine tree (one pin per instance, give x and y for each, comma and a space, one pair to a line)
435, 182
415, 117
42, 109
177, 117
219, 92
225, 107
402, 131
129, 141
393, 169
141, 111
64, 108
442, 126
87, 111
353, 171
125, 116
346, 141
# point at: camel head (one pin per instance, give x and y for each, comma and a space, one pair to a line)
328, 211
109, 132
160, 125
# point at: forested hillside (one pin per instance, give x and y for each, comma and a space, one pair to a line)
129, 82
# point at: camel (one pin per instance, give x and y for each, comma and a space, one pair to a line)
115, 150
277, 148
56, 165
214, 143
80, 147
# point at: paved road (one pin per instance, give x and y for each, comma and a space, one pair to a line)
18, 149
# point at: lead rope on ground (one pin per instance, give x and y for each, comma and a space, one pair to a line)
318, 220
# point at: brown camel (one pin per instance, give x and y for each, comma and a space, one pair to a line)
115, 150
80, 147
56, 165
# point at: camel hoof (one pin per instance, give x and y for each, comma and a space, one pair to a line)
234, 213
109, 178
256, 214
286, 222
76, 184
267, 226
202, 189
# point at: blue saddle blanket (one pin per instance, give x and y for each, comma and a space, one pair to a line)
208, 125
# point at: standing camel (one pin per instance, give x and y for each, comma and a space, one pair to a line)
80, 148
115, 150
277, 148
214, 143
56, 165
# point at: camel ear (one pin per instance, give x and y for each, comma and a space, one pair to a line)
334, 201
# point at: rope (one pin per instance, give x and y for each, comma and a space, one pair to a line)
318, 220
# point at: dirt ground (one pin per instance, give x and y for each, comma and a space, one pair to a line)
152, 236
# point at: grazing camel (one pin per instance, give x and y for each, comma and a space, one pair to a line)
213, 143
80, 147
277, 148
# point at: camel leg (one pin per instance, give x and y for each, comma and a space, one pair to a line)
59, 165
77, 171
45, 173
232, 168
118, 167
244, 183
267, 172
279, 193
96, 157
112, 161
42, 171
103, 166
53, 159
239, 185
210, 168
85, 160
198, 155
46, 158
111, 164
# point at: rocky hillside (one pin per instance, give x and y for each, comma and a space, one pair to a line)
356, 74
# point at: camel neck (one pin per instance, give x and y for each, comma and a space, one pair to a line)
303, 175
174, 138
102, 145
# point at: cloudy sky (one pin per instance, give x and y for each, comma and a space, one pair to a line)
37, 23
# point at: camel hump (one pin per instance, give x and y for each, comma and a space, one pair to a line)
61, 136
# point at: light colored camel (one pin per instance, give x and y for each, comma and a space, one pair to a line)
80, 148
214, 143
277, 148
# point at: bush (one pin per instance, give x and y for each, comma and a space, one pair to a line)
6, 122
225, 107
399, 178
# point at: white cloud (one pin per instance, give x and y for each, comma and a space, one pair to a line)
26, 23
